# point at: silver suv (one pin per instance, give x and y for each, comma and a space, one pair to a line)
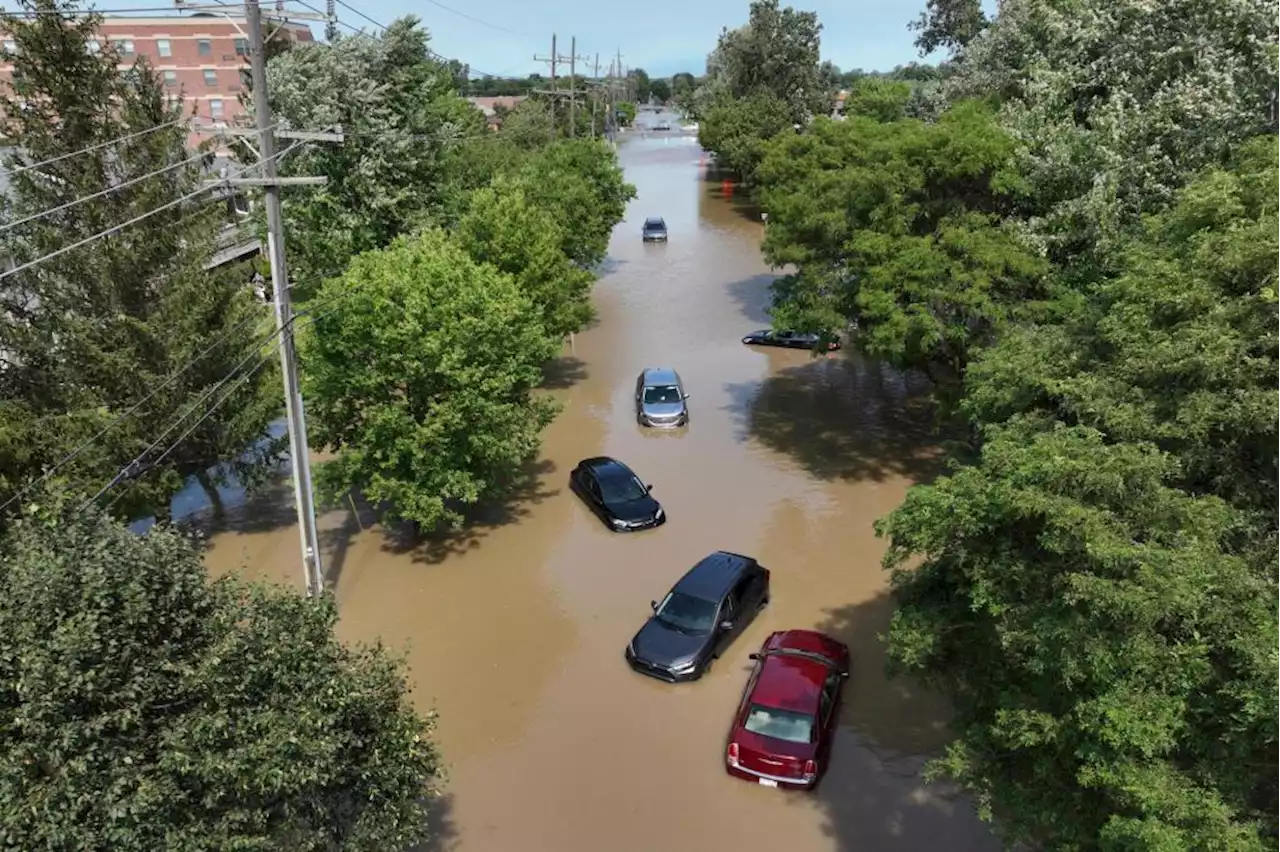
660, 398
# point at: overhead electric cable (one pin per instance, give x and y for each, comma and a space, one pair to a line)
108, 191
139, 218
19, 170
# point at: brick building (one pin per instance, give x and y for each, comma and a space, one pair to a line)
200, 57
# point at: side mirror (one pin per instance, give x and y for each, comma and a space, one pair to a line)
686, 396
726, 625
648, 488
753, 656
653, 605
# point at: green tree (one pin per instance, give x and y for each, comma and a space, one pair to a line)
1098, 593
776, 52
737, 130
144, 707
899, 227
1113, 111
400, 114
98, 330
506, 229
579, 182
949, 25
877, 98
626, 113
641, 86
660, 89
420, 380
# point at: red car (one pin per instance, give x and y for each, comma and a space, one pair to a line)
782, 733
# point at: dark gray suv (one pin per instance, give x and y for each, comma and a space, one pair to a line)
660, 398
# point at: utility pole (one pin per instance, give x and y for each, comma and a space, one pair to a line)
553, 92
595, 96
270, 182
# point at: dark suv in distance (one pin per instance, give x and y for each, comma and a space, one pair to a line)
700, 617
655, 230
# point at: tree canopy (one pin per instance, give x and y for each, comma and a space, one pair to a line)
421, 381
1098, 593
144, 707
107, 328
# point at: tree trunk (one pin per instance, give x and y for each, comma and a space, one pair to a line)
211, 490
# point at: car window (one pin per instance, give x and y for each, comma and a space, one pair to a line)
592, 485
662, 394
687, 613
728, 609
787, 725
826, 704
622, 488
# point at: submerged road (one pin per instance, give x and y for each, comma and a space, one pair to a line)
515, 629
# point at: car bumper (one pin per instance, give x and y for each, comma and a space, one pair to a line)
651, 238
682, 420
783, 782
643, 525
646, 668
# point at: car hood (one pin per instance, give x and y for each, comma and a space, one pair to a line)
666, 646
640, 509
662, 409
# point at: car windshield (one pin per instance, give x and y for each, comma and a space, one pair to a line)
655, 224
622, 488
687, 613
659, 395
786, 725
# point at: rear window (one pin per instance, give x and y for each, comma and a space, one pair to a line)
787, 725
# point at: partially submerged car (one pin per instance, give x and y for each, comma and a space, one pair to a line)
789, 339
661, 398
616, 495
786, 721
655, 230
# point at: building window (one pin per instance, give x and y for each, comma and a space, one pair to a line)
93, 45
204, 47
124, 46
242, 47
163, 47
215, 108
210, 77
170, 78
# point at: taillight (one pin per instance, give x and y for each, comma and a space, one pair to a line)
810, 770
732, 755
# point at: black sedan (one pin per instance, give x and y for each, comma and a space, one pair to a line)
700, 617
789, 339
616, 495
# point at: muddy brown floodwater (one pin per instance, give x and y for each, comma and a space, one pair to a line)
515, 630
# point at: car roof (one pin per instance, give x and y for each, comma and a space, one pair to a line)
660, 376
603, 465
790, 682
713, 575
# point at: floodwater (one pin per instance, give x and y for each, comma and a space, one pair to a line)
515, 630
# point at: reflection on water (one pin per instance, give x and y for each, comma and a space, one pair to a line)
515, 629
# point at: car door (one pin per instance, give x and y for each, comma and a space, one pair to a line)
830, 710
754, 598
728, 614
639, 392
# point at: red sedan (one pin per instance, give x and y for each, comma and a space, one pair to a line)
782, 733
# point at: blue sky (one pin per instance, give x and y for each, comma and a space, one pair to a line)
661, 36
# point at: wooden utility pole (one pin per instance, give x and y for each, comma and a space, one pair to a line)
595, 97
270, 182
554, 93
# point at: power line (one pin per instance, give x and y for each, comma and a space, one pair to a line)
210, 391
96, 147
7, 226
136, 477
141, 217
439, 57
